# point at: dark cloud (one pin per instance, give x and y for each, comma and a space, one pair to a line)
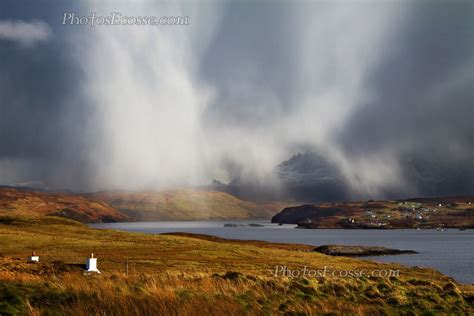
421, 85
421, 107
41, 115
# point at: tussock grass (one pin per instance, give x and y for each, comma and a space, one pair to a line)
188, 294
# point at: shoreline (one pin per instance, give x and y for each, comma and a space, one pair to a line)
266, 221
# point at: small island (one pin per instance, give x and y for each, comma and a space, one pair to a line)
359, 251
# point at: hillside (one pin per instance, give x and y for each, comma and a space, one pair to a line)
144, 274
457, 212
186, 204
118, 206
14, 202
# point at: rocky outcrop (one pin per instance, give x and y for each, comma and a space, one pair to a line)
359, 251
303, 213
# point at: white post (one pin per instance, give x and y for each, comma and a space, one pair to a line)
34, 258
91, 264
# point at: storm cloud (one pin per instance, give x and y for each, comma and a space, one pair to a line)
380, 90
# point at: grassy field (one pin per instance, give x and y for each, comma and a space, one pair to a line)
183, 275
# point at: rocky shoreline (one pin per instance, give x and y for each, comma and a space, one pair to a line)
423, 213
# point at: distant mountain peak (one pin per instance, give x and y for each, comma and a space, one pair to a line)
217, 183
306, 163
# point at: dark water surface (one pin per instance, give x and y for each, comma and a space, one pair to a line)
451, 251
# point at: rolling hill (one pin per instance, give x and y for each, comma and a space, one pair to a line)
16, 201
119, 206
186, 204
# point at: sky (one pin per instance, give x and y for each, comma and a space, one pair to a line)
374, 87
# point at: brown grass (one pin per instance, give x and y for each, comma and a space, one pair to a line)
194, 294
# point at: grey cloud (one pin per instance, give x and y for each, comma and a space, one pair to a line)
25, 33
